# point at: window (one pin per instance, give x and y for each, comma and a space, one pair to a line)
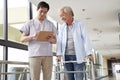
19, 56
1, 19
1, 52
17, 15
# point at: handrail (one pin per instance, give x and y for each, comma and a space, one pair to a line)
14, 62
25, 71
12, 73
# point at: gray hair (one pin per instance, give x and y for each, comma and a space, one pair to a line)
68, 9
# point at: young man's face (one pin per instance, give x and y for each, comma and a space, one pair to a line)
41, 12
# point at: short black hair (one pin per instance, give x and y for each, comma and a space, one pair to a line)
43, 4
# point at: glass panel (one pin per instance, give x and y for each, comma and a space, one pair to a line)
17, 55
34, 10
1, 19
17, 15
1, 58
1, 52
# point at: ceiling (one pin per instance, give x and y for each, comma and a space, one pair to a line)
100, 18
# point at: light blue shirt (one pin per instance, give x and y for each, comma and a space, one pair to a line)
81, 41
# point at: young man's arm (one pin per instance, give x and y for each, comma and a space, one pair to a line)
25, 37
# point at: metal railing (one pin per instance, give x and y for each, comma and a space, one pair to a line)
21, 74
89, 71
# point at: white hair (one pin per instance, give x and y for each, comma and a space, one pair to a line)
68, 9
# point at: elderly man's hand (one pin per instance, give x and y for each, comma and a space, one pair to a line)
59, 58
91, 57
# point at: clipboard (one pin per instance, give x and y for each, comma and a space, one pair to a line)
43, 35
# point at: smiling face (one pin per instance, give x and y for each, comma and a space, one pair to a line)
66, 16
63, 15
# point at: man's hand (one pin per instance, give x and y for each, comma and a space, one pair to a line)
51, 39
91, 58
59, 58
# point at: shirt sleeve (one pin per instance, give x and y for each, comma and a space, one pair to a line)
54, 30
25, 28
87, 44
59, 41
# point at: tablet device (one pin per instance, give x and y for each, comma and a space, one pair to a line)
43, 35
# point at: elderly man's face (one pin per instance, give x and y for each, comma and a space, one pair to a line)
64, 16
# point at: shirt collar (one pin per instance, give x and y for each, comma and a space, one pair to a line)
36, 19
72, 22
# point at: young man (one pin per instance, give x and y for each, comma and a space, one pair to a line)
40, 53
73, 44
